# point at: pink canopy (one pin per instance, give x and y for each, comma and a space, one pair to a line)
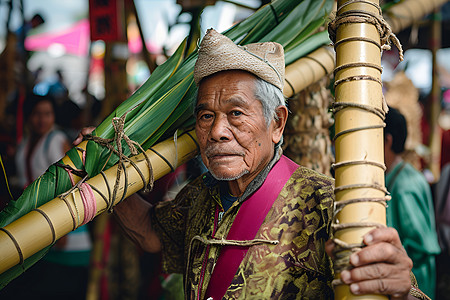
75, 40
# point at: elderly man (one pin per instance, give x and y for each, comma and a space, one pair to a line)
256, 224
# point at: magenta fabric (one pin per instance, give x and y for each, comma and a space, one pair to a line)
246, 225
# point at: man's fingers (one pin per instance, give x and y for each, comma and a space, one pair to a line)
87, 130
382, 279
329, 247
83, 132
386, 234
78, 140
382, 267
381, 252
396, 288
375, 271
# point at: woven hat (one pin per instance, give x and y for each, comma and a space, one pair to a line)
219, 53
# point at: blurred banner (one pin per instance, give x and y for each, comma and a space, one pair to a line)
106, 20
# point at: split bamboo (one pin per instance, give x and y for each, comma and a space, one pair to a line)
359, 167
57, 217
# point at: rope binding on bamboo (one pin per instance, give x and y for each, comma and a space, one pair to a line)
343, 250
86, 190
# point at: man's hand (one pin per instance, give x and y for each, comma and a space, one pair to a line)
382, 267
83, 132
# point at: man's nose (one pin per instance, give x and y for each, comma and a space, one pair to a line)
220, 130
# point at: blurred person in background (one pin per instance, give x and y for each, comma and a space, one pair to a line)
63, 272
411, 209
43, 144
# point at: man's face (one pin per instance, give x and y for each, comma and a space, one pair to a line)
235, 142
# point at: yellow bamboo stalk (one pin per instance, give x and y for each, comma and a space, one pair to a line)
311, 68
405, 13
308, 70
362, 147
55, 218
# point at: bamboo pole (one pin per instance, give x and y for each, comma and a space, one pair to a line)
308, 70
55, 219
405, 13
359, 168
319, 63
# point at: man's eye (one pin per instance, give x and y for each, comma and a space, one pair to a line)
236, 113
206, 116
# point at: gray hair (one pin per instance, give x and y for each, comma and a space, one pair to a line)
270, 97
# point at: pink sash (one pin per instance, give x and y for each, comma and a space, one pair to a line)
246, 225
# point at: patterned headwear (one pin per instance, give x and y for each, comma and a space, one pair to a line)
219, 53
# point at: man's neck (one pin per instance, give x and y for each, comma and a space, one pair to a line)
397, 159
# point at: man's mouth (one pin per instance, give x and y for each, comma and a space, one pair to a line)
215, 153
222, 155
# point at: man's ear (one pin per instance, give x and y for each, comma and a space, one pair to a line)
280, 123
388, 140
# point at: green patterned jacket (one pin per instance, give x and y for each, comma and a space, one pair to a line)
295, 268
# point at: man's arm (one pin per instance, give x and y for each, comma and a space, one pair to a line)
133, 215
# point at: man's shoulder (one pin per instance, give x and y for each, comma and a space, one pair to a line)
306, 185
305, 177
411, 177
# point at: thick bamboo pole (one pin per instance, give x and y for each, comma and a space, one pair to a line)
359, 168
319, 63
405, 13
308, 70
57, 217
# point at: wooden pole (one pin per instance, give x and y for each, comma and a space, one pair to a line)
151, 64
56, 218
435, 99
359, 168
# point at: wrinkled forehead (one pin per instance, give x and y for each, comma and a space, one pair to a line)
230, 80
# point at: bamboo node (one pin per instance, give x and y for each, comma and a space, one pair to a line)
338, 106
50, 224
357, 77
357, 129
360, 186
358, 162
360, 16
16, 244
